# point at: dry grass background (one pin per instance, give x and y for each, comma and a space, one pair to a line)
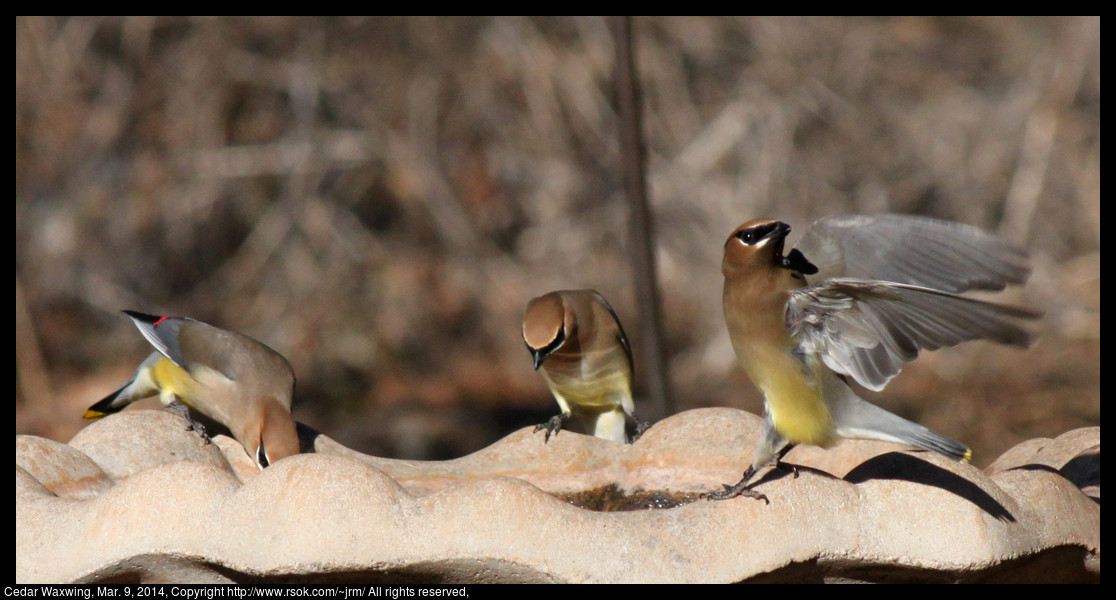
378, 198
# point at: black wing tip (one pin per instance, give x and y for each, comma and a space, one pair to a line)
144, 317
1022, 339
1012, 333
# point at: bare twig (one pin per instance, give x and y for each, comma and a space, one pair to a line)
656, 377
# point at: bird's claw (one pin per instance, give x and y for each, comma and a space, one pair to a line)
741, 488
732, 491
183, 411
552, 426
788, 467
640, 427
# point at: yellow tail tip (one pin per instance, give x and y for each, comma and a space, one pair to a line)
93, 415
968, 455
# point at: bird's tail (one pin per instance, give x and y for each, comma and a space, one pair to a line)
140, 386
854, 417
109, 404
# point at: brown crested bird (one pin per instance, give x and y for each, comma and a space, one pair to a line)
231, 378
857, 298
580, 348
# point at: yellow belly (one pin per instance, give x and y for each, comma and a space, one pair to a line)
173, 382
602, 392
794, 396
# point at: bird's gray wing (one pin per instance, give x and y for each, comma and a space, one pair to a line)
868, 329
620, 335
165, 339
921, 251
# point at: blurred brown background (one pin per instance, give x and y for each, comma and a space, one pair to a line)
378, 198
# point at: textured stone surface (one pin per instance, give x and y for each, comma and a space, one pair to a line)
136, 497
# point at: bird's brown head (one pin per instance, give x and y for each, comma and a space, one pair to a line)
757, 244
545, 326
277, 435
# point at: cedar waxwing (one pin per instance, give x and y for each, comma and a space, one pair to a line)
580, 348
231, 378
885, 287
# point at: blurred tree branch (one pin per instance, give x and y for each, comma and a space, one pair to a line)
641, 223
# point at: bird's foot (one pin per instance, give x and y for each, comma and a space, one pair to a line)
183, 411
741, 488
787, 467
640, 427
777, 460
553, 426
